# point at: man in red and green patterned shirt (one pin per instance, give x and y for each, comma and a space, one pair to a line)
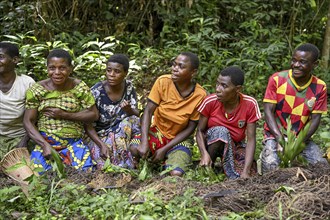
298, 95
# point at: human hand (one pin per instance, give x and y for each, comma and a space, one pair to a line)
53, 113
126, 106
279, 148
245, 175
205, 160
47, 153
104, 151
280, 142
158, 156
143, 150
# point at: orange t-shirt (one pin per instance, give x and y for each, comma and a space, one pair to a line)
174, 112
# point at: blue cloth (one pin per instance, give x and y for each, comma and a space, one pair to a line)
73, 152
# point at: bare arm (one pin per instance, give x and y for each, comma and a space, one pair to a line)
87, 115
315, 122
30, 119
143, 148
250, 148
91, 132
200, 138
183, 135
24, 141
269, 109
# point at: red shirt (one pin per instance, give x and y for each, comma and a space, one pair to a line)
246, 112
294, 101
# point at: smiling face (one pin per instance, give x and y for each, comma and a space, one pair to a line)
182, 70
226, 91
115, 73
302, 64
7, 63
58, 70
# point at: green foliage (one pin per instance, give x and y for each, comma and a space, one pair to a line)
90, 66
63, 200
288, 190
6, 192
258, 36
33, 54
322, 136
146, 171
57, 164
111, 168
204, 174
294, 144
257, 214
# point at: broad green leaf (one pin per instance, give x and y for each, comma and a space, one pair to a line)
58, 165
106, 164
15, 38
15, 167
325, 135
146, 217
312, 3
143, 175
287, 189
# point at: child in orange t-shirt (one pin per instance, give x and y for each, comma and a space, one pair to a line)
173, 101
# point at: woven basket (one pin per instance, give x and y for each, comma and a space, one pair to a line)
14, 157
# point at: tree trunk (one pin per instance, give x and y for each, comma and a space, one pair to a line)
326, 44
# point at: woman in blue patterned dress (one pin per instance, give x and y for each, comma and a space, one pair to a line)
116, 101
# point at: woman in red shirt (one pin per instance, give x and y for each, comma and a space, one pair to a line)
227, 118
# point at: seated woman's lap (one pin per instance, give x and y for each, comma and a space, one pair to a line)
73, 152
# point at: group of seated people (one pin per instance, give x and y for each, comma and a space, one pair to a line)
87, 126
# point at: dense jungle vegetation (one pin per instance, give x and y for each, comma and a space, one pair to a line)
257, 35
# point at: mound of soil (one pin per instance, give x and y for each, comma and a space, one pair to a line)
299, 193
302, 193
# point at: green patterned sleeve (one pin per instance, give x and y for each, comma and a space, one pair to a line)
32, 101
85, 95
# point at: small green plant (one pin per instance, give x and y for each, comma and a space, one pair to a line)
287, 189
146, 171
111, 168
293, 146
322, 136
204, 174
57, 164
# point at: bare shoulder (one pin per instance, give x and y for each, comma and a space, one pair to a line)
75, 81
45, 83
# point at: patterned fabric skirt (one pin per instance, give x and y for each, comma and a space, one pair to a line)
179, 157
73, 152
118, 141
233, 158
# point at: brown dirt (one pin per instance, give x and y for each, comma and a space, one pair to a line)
308, 199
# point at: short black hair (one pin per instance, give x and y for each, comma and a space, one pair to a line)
308, 47
10, 49
60, 53
193, 59
235, 73
121, 59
